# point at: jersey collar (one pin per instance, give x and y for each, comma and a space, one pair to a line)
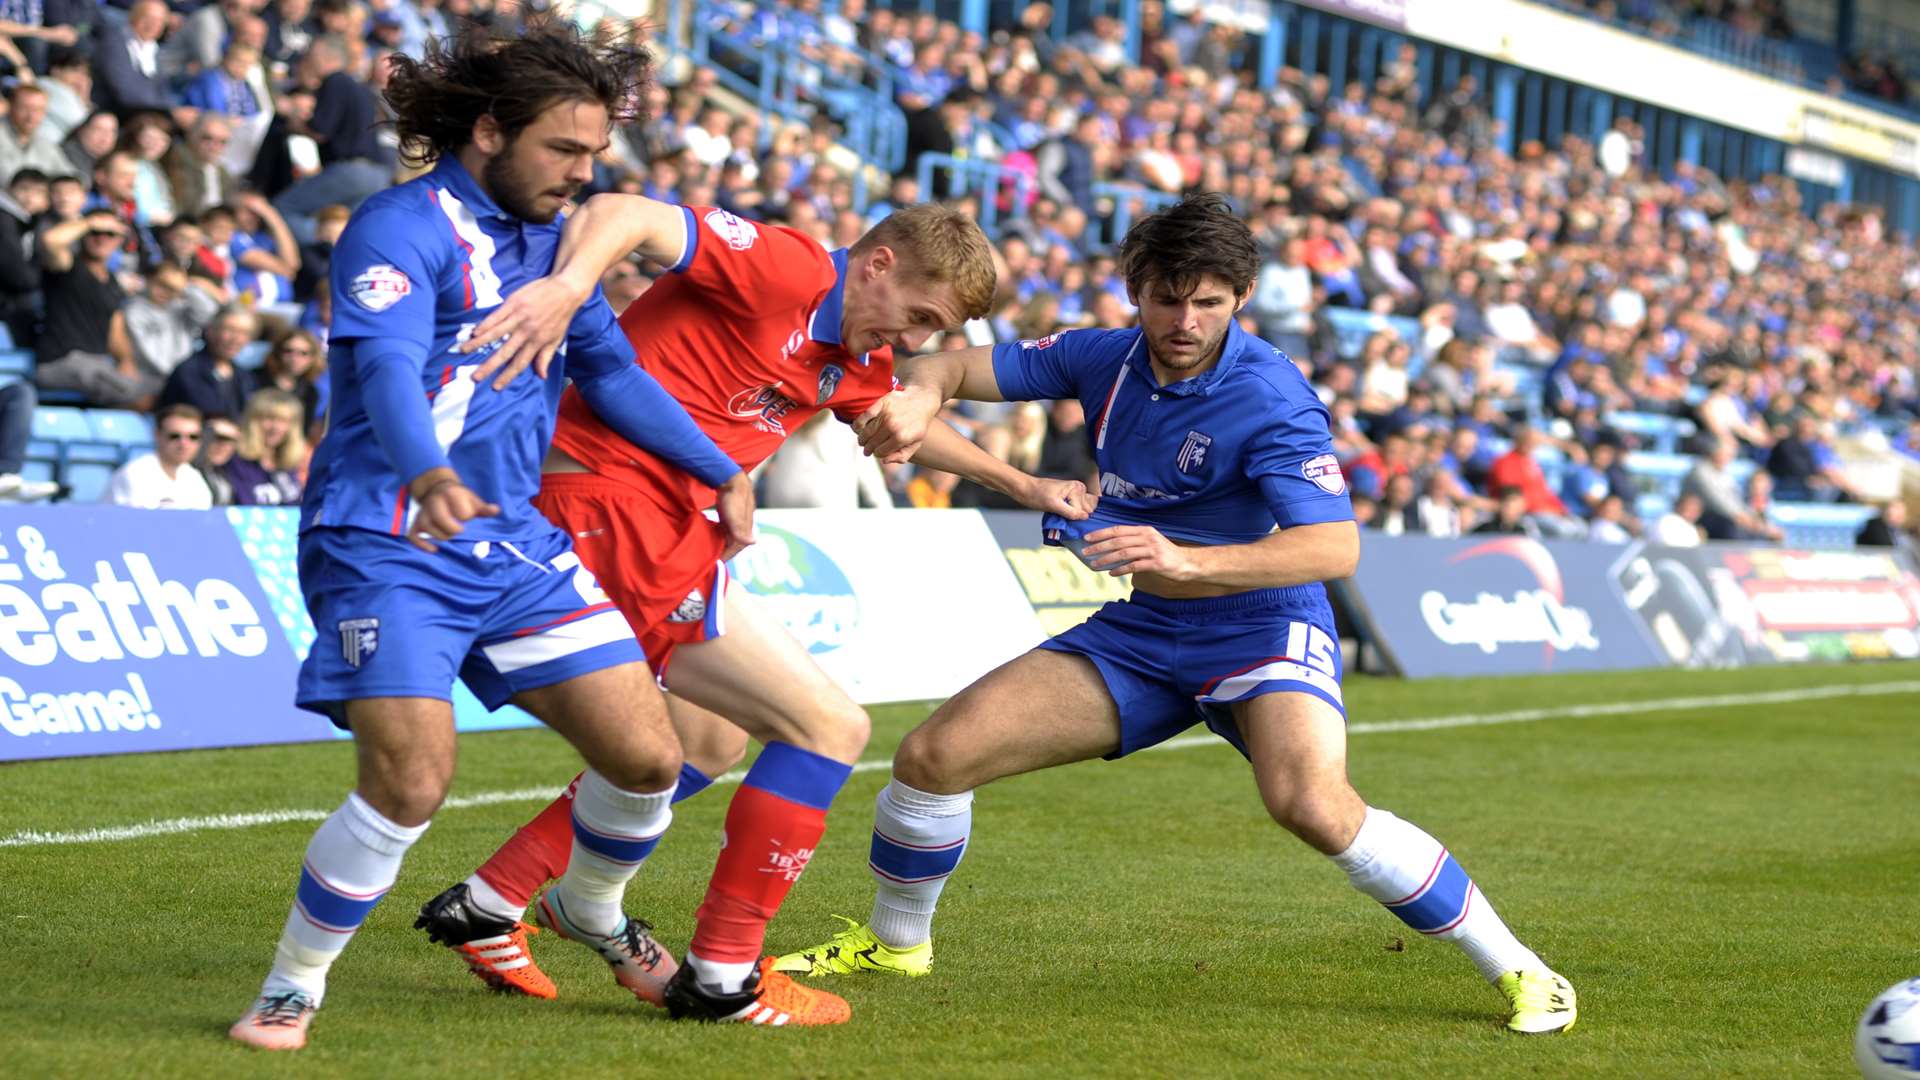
449, 173
1203, 383
823, 325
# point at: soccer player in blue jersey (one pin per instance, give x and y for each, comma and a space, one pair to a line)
422, 557
1206, 439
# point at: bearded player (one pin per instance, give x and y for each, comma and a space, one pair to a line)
1206, 438
754, 330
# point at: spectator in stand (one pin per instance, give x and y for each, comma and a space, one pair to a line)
115, 187
210, 380
27, 139
69, 87
127, 73
1724, 514
342, 126
822, 466
219, 442
93, 139
1065, 451
147, 137
199, 178
85, 345
1680, 526
1610, 524
16, 428
166, 478
271, 465
19, 271
164, 322
1518, 470
297, 365
1283, 299
266, 257
1805, 468
1511, 516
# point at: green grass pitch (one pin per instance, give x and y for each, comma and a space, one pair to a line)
1726, 886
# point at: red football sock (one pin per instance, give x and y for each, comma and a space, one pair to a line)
537, 853
768, 843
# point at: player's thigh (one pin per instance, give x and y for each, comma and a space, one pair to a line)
616, 717
1297, 743
1038, 710
708, 741
759, 677
406, 752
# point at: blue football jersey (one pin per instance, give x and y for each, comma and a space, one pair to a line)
1219, 458
417, 269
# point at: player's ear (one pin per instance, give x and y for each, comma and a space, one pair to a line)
881, 260
488, 137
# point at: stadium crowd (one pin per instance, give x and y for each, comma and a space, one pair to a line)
174, 181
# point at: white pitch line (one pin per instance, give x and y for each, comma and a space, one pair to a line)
175, 826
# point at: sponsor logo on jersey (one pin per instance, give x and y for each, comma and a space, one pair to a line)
691, 610
830, 377
358, 640
1120, 487
795, 342
738, 234
1325, 472
379, 287
766, 406
1041, 343
1193, 453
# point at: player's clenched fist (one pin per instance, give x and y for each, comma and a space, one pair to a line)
445, 506
1068, 498
897, 424
733, 502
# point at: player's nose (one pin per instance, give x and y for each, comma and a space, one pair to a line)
913, 339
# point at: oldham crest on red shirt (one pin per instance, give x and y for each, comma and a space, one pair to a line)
738, 234
830, 377
1325, 472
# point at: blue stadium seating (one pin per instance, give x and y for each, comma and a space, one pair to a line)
132, 432
63, 435
88, 479
6, 336
1820, 525
1352, 328
37, 470
1656, 432
15, 361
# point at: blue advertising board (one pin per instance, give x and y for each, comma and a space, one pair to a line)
1494, 605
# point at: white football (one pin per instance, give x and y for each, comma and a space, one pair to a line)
1886, 1045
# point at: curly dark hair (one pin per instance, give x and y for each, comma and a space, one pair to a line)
1177, 247
513, 78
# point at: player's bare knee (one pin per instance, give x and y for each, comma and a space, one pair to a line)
653, 769
1323, 816
713, 751
408, 793
928, 762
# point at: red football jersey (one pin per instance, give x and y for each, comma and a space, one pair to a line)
745, 333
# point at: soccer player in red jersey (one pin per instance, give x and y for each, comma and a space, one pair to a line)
754, 330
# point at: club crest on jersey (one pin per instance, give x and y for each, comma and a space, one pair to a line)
379, 287
830, 377
735, 231
1325, 472
358, 640
766, 406
1193, 453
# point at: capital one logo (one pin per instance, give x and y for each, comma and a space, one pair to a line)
1536, 615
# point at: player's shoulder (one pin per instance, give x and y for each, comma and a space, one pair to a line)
404, 211
1086, 343
1279, 379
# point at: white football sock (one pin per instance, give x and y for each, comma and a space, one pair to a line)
719, 977
613, 833
351, 863
1398, 864
918, 839
487, 900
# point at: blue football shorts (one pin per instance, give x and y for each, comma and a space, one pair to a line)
395, 621
1170, 664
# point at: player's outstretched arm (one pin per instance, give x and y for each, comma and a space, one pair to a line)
897, 424
1324, 551
533, 322
946, 450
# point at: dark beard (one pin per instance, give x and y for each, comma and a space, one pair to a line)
512, 192
1211, 351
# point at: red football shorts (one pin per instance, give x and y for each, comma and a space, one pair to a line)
661, 568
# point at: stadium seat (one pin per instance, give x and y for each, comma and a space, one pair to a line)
132, 432
1820, 525
1655, 431
253, 355
88, 479
6, 336
37, 469
1659, 473
15, 362
1352, 328
63, 435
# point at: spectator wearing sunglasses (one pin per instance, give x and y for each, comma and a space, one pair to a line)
166, 478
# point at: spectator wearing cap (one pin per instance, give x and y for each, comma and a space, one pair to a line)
84, 345
342, 126
166, 478
127, 73
219, 442
27, 140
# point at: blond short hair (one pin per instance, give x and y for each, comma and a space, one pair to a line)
938, 245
